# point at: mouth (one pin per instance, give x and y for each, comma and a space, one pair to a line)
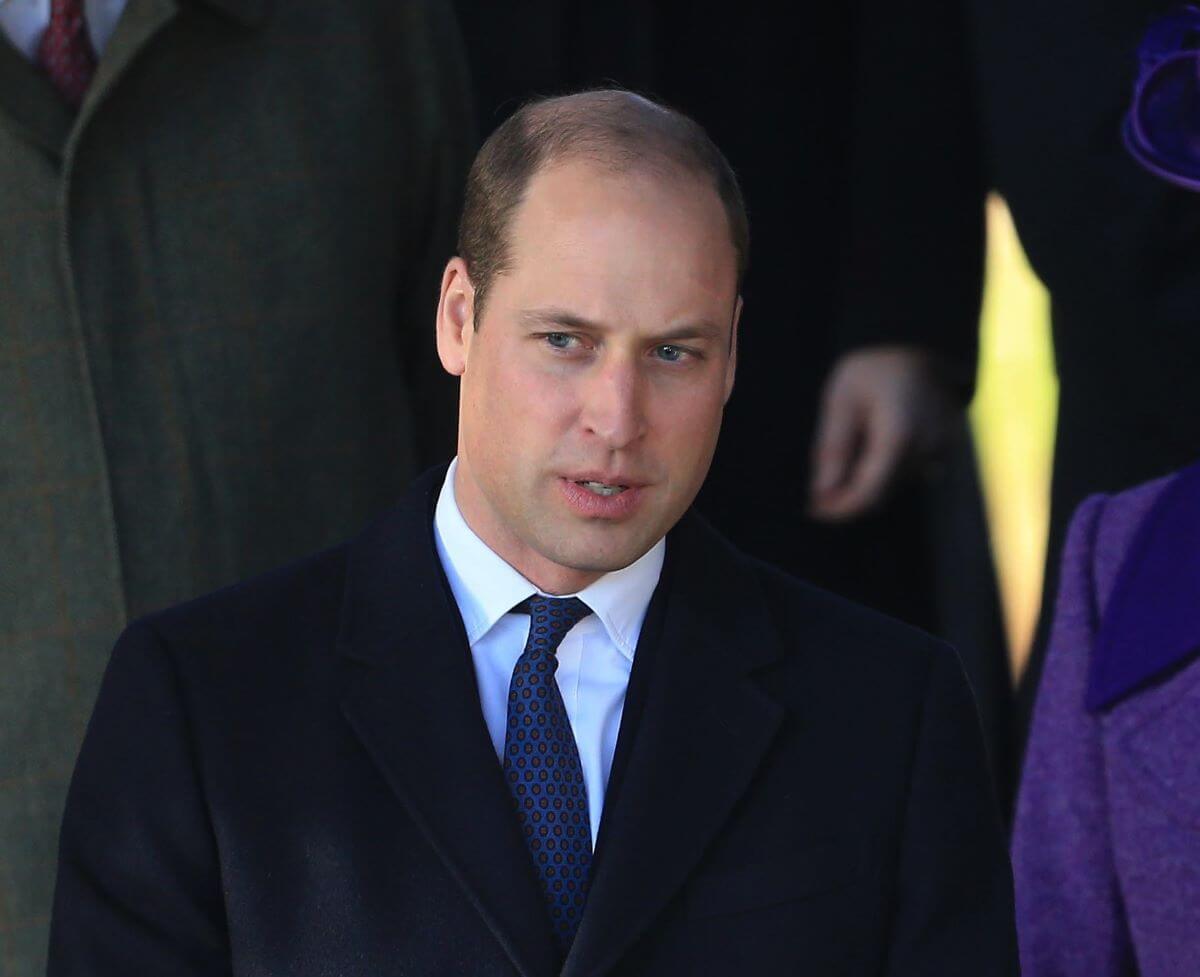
601, 488
603, 495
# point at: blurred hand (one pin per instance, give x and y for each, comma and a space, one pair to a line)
885, 411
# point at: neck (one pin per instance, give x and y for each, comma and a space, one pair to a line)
549, 577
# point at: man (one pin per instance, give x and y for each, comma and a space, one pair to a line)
215, 217
681, 761
889, 264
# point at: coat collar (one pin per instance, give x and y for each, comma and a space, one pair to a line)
1152, 622
29, 103
395, 587
704, 721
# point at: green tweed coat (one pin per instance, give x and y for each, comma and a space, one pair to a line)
217, 290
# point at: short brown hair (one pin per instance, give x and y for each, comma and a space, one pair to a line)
614, 128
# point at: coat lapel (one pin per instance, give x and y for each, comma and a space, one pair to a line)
30, 103
413, 702
702, 734
139, 23
1150, 625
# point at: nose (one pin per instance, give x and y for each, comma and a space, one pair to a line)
613, 409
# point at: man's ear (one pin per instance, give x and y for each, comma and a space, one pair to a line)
455, 317
731, 364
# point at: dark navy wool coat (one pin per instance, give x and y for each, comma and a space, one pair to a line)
293, 776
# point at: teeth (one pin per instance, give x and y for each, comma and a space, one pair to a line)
601, 489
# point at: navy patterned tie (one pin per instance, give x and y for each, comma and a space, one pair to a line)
541, 765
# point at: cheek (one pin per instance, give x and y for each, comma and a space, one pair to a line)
503, 388
518, 403
686, 422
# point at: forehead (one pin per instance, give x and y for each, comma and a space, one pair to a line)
585, 227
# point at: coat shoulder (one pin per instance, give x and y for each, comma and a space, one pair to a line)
812, 622
302, 597
839, 643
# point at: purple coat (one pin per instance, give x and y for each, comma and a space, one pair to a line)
1106, 848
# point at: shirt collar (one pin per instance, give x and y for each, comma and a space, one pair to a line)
486, 588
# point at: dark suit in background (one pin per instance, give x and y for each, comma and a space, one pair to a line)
293, 776
1118, 249
852, 130
215, 348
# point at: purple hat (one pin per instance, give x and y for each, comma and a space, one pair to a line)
1162, 129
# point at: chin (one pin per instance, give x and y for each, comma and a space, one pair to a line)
603, 559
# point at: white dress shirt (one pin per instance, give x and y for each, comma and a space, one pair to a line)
595, 657
24, 21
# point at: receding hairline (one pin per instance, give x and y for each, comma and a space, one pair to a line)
618, 132
588, 126
673, 178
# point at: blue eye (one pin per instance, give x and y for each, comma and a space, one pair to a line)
672, 354
559, 340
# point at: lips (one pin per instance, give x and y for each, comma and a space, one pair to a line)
601, 495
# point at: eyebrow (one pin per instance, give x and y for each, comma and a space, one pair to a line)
563, 318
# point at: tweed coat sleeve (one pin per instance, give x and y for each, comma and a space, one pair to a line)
139, 888
1069, 912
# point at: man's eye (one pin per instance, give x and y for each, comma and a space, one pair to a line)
559, 340
672, 354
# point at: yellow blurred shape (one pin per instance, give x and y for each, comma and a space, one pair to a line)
1012, 417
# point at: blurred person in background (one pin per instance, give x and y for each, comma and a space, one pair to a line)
851, 128
1105, 851
221, 224
1118, 250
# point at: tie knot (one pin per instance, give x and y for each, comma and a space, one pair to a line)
550, 618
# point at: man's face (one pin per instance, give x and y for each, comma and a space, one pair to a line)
593, 386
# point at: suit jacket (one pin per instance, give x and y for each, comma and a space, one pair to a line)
217, 285
1105, 848
293, 776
